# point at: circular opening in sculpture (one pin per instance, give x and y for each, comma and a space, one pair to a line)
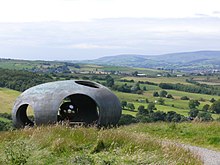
78, 109
88, 84
25, 115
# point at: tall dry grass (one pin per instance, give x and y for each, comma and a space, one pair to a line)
65, 145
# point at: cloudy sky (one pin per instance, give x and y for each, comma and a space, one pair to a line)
88, 29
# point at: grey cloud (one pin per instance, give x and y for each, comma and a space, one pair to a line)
86, 40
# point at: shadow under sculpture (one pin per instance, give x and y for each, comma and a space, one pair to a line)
72, 100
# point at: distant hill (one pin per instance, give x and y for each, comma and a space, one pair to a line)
185, 60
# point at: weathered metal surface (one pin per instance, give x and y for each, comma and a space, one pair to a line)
89, 102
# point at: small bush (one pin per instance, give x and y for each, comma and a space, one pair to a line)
169, 96
161, 101
5, 126
155, 94
184, 98
163, 93
6, 115
205, 116
127, 119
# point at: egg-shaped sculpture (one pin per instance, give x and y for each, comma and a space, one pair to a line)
74, 101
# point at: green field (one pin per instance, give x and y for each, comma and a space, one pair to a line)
15, 64
7, 99
146, 71
157, 80
210, 80
192, 95
176, 104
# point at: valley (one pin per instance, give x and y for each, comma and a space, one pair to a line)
151, 113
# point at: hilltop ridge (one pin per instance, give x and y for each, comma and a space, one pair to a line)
197, 60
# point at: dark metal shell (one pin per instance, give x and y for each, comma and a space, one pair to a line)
46, 99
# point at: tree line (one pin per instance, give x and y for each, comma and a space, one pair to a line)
190, 88
21, 80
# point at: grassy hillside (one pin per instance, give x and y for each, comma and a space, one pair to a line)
26, 64
128, 60
204, 134
64, 145
189, 57
7, 99
176, 104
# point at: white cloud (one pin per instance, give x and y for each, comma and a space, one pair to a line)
86, 10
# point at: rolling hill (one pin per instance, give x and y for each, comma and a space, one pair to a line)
7, 97
198, 60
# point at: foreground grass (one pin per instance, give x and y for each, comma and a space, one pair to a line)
205, 134
64, 145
